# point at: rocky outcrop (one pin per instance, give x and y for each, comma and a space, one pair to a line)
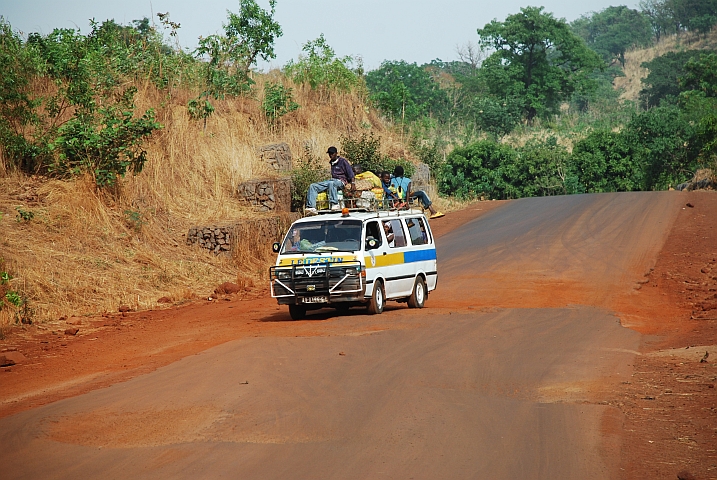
267, 195
251, 237
704, 179
277, 156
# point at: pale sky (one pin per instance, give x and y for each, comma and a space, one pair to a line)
412, 30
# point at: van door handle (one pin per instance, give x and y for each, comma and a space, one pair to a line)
384, 253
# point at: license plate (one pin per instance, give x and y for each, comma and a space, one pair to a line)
315, 300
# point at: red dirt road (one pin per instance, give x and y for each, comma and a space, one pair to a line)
661, 416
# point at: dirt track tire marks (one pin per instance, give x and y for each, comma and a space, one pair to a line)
464, 388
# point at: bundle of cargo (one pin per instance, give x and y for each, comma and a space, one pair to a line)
367, 192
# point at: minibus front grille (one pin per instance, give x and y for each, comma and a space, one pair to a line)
316, 279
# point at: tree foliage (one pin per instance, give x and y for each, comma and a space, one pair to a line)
662, 83
478, 169
86, 123
365, 150
228, 58
613, 30
406, 92
605, 162
536, 58
278, 101
322, 69
674, 16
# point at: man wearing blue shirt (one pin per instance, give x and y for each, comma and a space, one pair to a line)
341, 175
402, 185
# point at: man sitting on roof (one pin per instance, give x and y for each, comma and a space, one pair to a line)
341, 175
402, 185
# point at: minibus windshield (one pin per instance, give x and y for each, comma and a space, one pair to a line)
323, 236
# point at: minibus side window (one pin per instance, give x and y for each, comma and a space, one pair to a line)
417, 231
395, 235
373, 233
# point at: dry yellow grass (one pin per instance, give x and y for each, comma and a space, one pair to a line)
87, 251
631, 83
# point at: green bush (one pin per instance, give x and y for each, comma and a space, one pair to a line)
541, 169
307, 170
322, 69
278, 101
665, 144
605, 161
86, 125
478, 169
365, 150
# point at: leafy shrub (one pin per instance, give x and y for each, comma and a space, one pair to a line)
308, 169
278, 101
106, 142
322, 69
365, 150
666, 146
496, 117
542, 168
24, 215
478, 169
87, 124
605, 161
406, 92
662, 83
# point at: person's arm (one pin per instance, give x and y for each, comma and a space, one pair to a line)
350, 175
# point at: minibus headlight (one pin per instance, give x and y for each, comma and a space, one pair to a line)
283, 274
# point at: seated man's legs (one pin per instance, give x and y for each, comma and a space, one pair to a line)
334, 185
330, 186
314, 190
422, 197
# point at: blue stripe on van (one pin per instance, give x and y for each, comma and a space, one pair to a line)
419, 255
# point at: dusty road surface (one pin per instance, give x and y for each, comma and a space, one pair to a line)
513, 369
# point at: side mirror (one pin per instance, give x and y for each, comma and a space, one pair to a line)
275, 247
371, 243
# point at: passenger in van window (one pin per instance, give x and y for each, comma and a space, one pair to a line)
417, 231
292, 244
390, 237
402, 186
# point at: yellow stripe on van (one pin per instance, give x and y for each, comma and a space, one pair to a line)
384, 260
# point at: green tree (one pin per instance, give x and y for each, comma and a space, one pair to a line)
251, 34
693, 15
605, 161
365, 150
479, 169
662, 83
701, 74
659, 16
542, 168
664, 142
228, 58
322, 69
86, 122
497, 117
536, 58
278, 101
406, 92
19, 66
613, 30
